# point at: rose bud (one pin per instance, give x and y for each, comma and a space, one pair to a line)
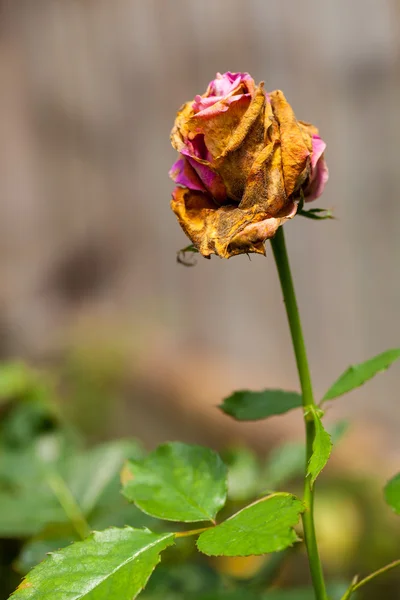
245, 162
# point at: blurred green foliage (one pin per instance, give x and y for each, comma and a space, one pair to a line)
52, 487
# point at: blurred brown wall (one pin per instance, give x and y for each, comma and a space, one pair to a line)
89, 89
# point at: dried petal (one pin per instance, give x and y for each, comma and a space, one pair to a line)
295, 152
245, 160
319, 171
226, 230
228, 85
183, 173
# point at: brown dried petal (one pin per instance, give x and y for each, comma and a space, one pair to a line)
233, 138
265, 186
236, 161
227, 230
256, 233
308, 130
180, 130
295, 150
219, 128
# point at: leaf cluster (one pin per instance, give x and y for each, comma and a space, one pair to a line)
179, 492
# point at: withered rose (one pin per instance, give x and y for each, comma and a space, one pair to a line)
244, 161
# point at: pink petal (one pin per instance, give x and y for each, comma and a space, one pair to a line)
183, 174
219, 105
212, 182
197, 147
319, 170
318, 148
189, 173
223, 86
317, 185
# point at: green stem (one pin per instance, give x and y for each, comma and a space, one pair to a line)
348, 593
356, 585
68, 503
180, 534
392, 565
292, 311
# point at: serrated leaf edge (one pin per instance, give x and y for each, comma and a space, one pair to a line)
207, 518
263, 499
353, 368
58, 555
395, 510
317, 418
223, 409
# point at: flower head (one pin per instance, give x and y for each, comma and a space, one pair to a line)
244, 163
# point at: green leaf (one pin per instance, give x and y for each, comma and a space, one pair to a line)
322, 446
28, 502
338, 430
181, 255
392, 493
178, 482
52, 538
113, 509
115, 563
264, 526
287, 461
318, 214
26, 516
25, 423
244, 405
356, 375
88, 474
243, 474
118, 513
16, 379
284, 463
190, 248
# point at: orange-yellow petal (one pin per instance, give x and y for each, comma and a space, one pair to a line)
226, 230
295, 151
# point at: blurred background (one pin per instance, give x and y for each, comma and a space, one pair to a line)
90, 288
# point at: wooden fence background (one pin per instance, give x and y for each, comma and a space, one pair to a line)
88, 93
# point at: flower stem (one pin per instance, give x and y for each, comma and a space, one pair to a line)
180, 534
292, 311
357, 584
